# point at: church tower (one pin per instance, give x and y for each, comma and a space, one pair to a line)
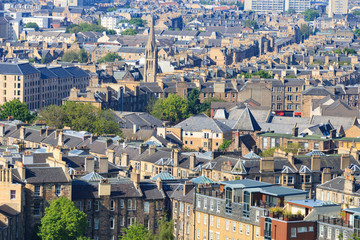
151, 56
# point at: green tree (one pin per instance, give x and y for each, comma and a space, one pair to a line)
129, 31
32, 25
63, 221
109, 57
17, 110
251, 24
268, 152
337, 51
111, 9
225, 144
291, 11
81, 117
348, 51
356, 13
305, 30
173, 108
357, 32
110, 32
136, 232
311, 14
73, 55
166, 229
43, 60
194, 101
138, 22
53, 115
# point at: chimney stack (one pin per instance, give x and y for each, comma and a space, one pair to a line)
42, 131
104, 188
188, 185
142, 148
22, 132
332, 133
103, 165
192, 161
61, 139
125, 160
315, 163
159, 183
295, 130
152, 150
110, 155
267, 164
176, 156
108, 143
326, 175
345, 161
135, 178
2, 130
89, 164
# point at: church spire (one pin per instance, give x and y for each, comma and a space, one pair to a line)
151, 56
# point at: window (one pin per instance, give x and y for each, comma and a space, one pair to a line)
187, 228
211, 235
234, 226
37, 190
277, 179
240, 228
112, 205
97, 205
187, 210
329, 231
293, 232
198, 217
290, 179
122, 221
89, 205
181, 207
302, 229
204, 235
36, 209
311, 229
211, 220
257, 232
131, 220
264, 143
321, 231
205, 219
175, 206
257, 215
212, 205
205, 203
198, 203
112, 223
247, 230
198, 233
146, 207
227, 225
58, 190
218, 206
218, 222
284, 179
12, 194
307, 178
217, 236
129, 204
96, 223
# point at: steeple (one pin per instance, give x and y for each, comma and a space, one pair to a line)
151, 56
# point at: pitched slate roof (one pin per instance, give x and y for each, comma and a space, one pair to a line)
45, 175
77, 72
247, 122
17, 68
200, 122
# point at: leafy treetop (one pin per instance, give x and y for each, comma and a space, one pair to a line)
17, 110
311, 14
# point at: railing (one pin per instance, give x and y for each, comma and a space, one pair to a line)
333, 221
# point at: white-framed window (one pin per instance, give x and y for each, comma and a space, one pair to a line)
204, 234
329, 232
198, 203
240, 228
247, 230
218, 222
227, 225
302, 229
36, 209
212, 205
218, 205
198, 233
122, 222
205, 219
198, 217
112, 205
257, 215
187, 228
311, 228
181, 207
257, 232
122, 203
293, 232
321, 232
205, 203
134, 204
211, 220
146, 207
337, 233
12, 194
234, 226
175, 206
112, 223
187, 210
129, 204
175, 224
217, 236
211, 235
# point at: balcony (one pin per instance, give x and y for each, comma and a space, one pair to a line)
333, 221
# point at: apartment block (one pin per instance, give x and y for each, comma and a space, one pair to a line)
39, 87
277, 5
